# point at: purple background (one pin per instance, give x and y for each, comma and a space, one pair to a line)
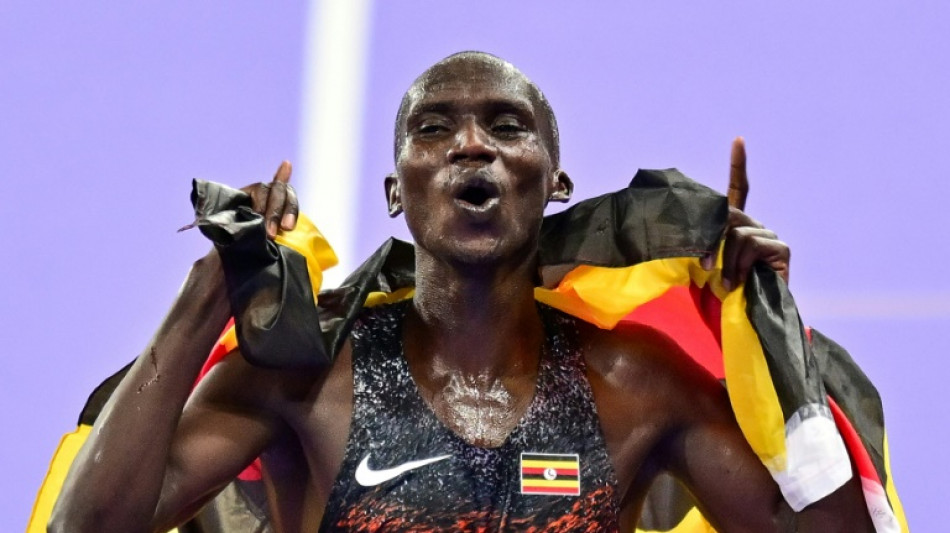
108, 111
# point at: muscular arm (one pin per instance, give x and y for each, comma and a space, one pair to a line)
141, 450
708, 453
148, 464
660, 411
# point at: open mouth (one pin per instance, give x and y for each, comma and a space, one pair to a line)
477, 193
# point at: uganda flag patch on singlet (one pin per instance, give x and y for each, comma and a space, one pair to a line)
555, 474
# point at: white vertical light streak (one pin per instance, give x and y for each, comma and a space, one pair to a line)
327, 171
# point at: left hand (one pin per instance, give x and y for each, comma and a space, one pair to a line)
276, 201
746, 240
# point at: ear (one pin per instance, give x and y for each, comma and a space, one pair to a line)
393, 196
563, 187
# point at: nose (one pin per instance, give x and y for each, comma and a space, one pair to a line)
472, 144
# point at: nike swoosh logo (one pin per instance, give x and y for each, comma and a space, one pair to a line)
368, 477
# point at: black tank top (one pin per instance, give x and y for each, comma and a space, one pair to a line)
406, 471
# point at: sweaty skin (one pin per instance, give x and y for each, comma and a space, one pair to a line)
476, 164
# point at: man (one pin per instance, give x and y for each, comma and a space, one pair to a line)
468, 407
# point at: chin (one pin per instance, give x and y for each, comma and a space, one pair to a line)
475, 255
485, 247
487, 255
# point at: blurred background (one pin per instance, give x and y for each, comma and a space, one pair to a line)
108, 110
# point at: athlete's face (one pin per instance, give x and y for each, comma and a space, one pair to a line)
474, 173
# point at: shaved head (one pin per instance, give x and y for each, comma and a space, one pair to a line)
480, 62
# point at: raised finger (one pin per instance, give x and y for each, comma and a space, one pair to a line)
738, 178
283, 172
277, 198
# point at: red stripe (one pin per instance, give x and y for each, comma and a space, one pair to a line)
540, 471
692, 318
218, 351
559, 490
856, 448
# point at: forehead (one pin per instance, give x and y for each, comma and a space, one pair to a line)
462, 83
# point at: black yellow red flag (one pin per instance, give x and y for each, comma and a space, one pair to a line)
632, 256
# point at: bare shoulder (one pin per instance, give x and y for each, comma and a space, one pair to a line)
633, 361
302, 399
236, 383
646, 390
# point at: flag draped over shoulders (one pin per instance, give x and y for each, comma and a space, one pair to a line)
801, 402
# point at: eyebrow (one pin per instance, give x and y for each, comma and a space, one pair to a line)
497, 106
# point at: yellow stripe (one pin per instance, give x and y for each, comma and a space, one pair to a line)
751, 391
63, 458
306, 240
379, 298
554, 483
603, 296
892, 491
228, 339
693, 522
551, 464
58, 468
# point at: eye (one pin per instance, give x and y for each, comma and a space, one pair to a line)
429, 125
508, 126
431, 128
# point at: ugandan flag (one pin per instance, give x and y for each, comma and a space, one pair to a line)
803, 405
555, 474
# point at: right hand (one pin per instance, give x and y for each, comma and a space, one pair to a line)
276, 201
746, 240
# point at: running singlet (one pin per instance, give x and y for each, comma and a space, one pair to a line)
405, 471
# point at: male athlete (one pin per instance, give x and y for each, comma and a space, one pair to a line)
469, 407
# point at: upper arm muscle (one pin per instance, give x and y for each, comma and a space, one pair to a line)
224, 426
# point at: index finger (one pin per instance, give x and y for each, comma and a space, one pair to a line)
283, 172
738, 179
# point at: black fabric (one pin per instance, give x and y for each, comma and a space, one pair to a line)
268, 284
794, 369
390, 268
665, 505
855, 395
661, 214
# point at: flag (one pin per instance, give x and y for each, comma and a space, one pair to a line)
628, 256
557, 474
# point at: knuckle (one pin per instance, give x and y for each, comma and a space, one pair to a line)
742, 232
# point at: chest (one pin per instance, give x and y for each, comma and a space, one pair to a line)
404, 469
482, 413
470, 455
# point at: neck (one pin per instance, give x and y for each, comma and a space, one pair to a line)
480, 322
